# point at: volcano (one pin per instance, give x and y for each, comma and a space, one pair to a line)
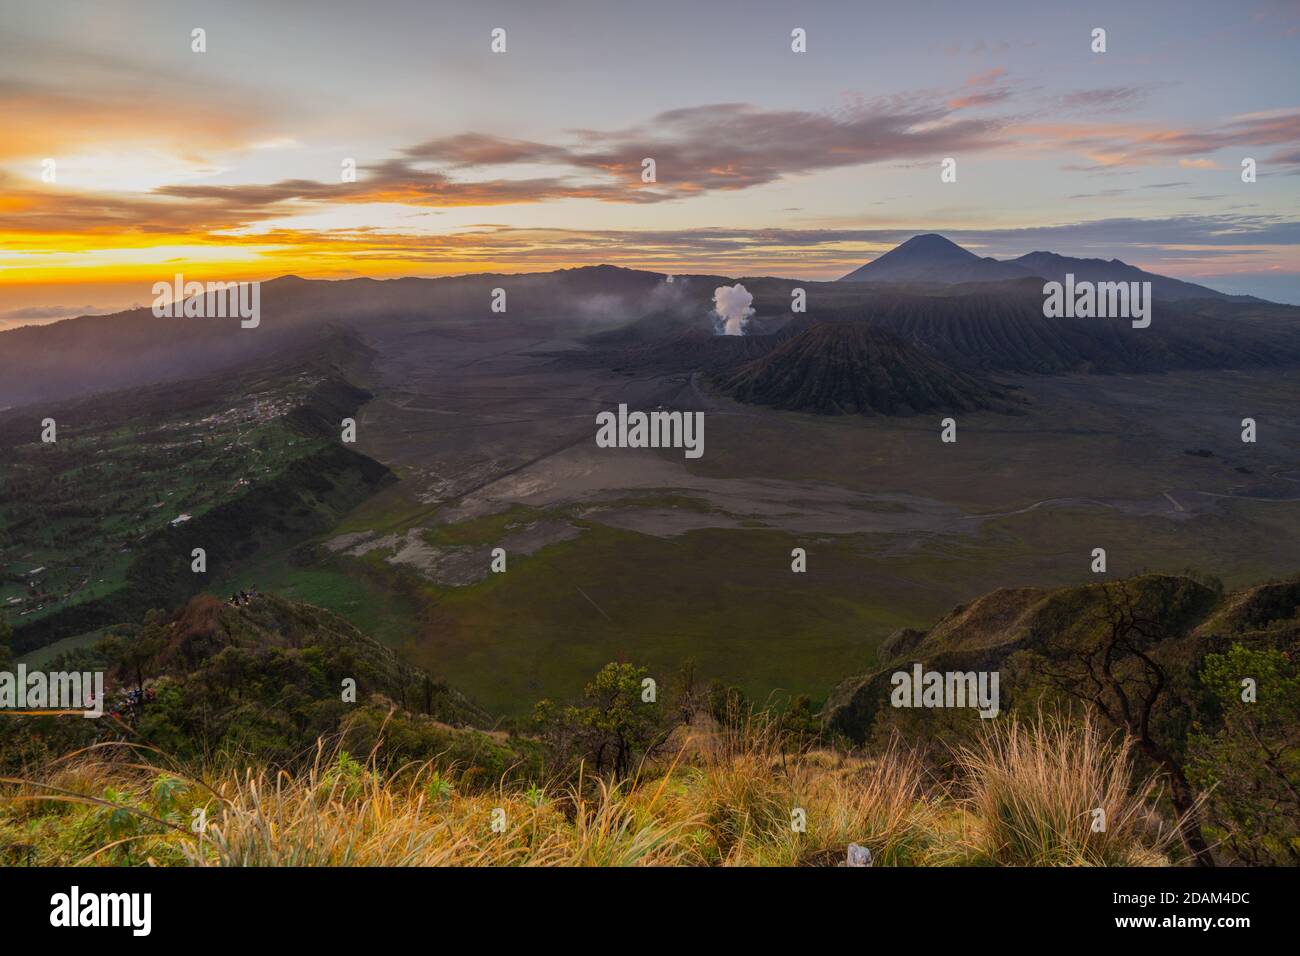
932, 258
847, 368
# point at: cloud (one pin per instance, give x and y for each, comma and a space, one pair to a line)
42, 314
64, 212
1101, 99
978, 99
50, 312
721, 146
697, 150
1135, 144
42, 119
987, 78
791, 252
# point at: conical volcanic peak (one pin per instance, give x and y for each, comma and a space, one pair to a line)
932, 258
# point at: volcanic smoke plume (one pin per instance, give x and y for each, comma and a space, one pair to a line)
732, 307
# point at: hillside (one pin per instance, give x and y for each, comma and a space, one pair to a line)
266, 676
1001, 327
99, 526
970, 312
244, 718
97, 353
1051, 266
295, 655
853, 368
1007, 628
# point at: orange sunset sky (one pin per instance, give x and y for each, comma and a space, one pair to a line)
228, 163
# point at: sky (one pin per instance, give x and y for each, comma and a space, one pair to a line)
230, 163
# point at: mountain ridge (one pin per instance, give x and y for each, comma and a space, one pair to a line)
931, 257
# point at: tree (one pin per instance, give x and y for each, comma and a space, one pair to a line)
623, 722
727, 705
1115, 671
801, 722
1250, 764
611, 726
137, 654
686, 696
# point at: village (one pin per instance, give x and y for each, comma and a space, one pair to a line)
103, 490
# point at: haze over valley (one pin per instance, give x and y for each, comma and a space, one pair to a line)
822, 429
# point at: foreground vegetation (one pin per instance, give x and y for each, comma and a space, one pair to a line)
727, 796
1152, 721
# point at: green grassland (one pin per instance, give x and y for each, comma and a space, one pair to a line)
726, 596
728, 599
374, 602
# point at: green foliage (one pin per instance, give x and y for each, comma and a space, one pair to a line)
439, 789
800, 722
107, 493
136, 654
611, 727
1248, 761
348, 778
727, 705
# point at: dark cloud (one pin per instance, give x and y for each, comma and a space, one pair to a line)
721, 146
726, 146
36, 212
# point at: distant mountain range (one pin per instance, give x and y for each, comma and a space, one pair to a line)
978, 316
933, 258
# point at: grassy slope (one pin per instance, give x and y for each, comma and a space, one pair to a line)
1052, 624
728, 599
723, 797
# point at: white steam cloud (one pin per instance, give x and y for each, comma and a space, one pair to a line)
732, 307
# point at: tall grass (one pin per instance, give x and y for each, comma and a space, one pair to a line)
755, 790
1054, 792
343, 813
746, 796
